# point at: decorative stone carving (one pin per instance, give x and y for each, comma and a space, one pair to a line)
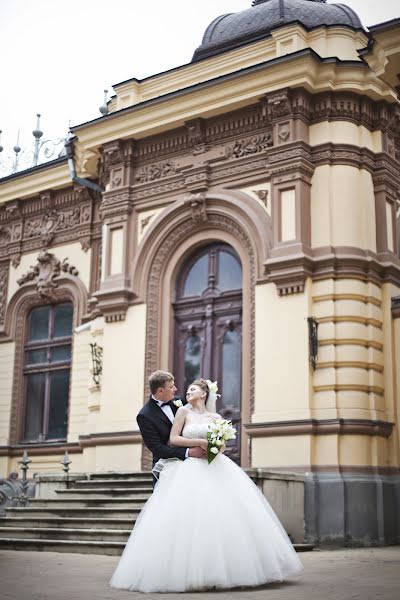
4, 268
15, 492
145, 221
5, 235
257, 143
155, 171
262, 195
44, 273
118, 154
278, 105
46, 227
15, 260
198, 209
197, 135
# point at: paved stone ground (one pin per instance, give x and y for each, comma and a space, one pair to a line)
365, 574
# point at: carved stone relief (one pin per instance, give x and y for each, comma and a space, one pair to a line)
156, 171
251, 145
198, 209
4, 268
45, 272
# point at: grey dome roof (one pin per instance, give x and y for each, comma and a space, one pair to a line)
236, 29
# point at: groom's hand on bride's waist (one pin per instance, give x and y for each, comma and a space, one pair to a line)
196, 452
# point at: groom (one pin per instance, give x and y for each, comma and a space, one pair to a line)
157, 415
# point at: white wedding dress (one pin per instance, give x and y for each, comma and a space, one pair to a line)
205, 526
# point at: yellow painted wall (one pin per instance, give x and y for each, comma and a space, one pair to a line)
343, 207
79, 386
7, 351
344, 132
123, 372
282, 386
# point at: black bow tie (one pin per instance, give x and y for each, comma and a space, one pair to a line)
165, 404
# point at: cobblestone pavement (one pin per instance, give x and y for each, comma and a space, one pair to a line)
367, 574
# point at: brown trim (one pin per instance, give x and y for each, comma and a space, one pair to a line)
109, 439
69, 289
85, 441
322, 427
339, 469
40, 449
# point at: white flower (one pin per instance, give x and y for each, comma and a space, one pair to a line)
214, 450
178, 403
212, 386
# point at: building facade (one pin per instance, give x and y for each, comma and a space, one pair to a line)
236, 218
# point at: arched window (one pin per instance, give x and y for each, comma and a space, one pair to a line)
47, 364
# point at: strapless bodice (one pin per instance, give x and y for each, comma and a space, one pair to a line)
195, 430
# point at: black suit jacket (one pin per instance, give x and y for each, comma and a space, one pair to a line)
155, 428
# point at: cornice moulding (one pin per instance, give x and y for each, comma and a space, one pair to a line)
301, 69
31, 184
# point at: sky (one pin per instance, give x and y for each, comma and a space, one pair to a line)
59, 55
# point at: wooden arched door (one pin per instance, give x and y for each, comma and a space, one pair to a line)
208, 328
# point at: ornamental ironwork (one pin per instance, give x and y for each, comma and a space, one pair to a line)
40, 152
97, 363
15, 491
313, 340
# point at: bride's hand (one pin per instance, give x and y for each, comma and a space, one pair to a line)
203, 444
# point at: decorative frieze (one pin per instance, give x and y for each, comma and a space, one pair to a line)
51, 218
156, 171
251, 145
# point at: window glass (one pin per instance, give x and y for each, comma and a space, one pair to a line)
229, 272
36, 356
197, 279
60, 353
58, 412
35, 391
62, 320
231, 369
39, 323
192, 359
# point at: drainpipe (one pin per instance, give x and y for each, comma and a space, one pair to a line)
79, 180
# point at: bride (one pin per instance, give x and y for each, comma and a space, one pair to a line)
206, 525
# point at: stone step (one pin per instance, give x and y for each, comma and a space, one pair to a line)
112, 483
74, 546
117, 502
132, 475
29, 512
100, 492
67, 522
55, 533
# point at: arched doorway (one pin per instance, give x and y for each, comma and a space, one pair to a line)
208, 327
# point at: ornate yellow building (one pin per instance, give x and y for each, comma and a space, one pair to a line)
235, 217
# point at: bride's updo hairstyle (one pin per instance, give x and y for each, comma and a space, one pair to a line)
202, 383
211, 399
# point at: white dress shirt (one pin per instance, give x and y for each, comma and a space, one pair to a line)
167, 410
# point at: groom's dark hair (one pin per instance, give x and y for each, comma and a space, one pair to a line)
158, 379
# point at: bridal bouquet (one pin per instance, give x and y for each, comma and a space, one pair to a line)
219, 432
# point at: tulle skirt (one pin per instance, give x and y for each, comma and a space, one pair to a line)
205, 526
